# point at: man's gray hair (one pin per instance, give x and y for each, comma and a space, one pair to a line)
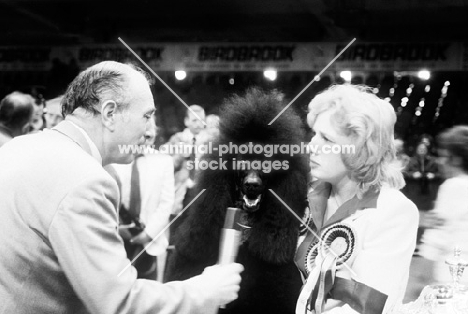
105, 79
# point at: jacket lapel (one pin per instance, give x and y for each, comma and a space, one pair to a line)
369, 200
318, 196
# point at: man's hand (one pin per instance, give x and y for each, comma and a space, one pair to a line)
219, 283
142, 238
417, 175
125, 234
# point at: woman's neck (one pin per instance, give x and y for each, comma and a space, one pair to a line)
344, 191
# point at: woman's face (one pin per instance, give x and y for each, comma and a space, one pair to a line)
445, 161
421, 150
326, 157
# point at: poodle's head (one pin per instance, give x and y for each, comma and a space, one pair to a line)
258, 175
251, 186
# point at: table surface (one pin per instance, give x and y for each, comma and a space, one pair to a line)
428, 303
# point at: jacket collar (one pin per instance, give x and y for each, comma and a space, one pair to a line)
318, 196
78, 136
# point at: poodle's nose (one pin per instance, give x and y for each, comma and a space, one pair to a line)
252, 180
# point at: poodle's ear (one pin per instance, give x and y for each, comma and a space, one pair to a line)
197, 237
275, 235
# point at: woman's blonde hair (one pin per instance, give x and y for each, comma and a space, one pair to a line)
368, 121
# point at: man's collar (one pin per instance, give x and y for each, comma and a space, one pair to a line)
79, 136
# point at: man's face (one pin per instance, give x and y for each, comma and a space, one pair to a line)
421, 150
151, 134
135, 123
36, 120
52, 119
445, 161
194, 124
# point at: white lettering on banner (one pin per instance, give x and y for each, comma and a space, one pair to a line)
24, 54
246, 53
394, 52
247, 56
149, 54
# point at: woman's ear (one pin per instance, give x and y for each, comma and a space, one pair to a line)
108, 114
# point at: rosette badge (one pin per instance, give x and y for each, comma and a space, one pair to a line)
312, 252
340, 239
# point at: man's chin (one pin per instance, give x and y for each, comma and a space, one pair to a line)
123, 159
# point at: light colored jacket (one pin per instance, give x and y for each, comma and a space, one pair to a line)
384, 241
157, 195
60, 251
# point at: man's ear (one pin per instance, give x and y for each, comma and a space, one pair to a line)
108, 114
186, 122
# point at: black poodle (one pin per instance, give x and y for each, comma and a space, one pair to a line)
270, 282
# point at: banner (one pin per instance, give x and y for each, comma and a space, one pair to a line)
229, 57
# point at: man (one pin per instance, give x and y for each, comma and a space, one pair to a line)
16, 109
53, 114
147, 196
212, 126
191, 136
37, 120
61, 251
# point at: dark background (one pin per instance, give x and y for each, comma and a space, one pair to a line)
73, 22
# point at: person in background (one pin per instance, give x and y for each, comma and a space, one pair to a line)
447, 223
423, 167
192, 136
212, 126
356, 208
59, 243
53, 112
422, 178
402, 158
146, 196
428, 140
16, 110
37, 121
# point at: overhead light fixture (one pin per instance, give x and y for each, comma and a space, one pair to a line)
270, 74
346, 75
424, 75
180, 75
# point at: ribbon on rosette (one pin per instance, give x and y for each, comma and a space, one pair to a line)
336, 247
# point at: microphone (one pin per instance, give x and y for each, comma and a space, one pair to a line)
230, 236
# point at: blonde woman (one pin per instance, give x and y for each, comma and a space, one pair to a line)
362, 232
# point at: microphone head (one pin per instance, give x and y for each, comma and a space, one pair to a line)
232, 218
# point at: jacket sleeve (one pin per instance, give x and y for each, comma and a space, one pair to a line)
83, 235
